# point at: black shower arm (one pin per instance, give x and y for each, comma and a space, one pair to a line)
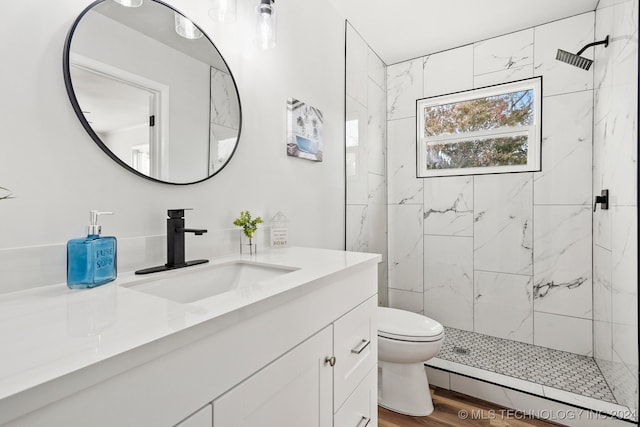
605, 42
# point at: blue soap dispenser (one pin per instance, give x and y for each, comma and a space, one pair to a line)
92, 260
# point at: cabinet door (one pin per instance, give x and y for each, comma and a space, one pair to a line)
356, 348
202, 418
294, 390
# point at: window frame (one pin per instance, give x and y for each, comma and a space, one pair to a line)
534, 131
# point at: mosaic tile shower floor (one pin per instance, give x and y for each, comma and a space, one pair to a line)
558, 369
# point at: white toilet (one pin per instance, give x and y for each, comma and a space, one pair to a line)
405, 341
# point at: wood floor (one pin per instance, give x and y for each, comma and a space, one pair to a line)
457, 410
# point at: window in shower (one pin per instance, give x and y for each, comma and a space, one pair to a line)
494, 129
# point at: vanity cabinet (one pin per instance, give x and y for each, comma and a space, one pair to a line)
356, 349
268, 362
311, 382
295, 390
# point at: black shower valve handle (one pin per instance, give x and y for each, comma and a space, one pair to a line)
603, 200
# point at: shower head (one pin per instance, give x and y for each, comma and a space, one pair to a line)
575, 59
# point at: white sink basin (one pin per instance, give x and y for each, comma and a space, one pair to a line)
190, 285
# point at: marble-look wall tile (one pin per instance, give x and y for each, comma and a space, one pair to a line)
568, 34
562, 257
622, 381
624, 114
622, 141
504, 52
503, 76
448, 206
503, 214
602, 341
405, 300
404, 187
376, 68
448, 280
365, 154
356, 152
405, 247
601, 284
503, 305
376, 129
625, 344
563, 333
602, 57
404, 86
377, 191
357, 228
377, 216
566, 150
602, 146
448, 71
624, 265
624, 41
602, 228
357, 57
607, 3
602, 166
224, 112
615, 168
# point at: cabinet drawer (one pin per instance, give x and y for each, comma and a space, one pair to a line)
355, 349
361, 408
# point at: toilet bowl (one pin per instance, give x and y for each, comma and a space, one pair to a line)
405, 341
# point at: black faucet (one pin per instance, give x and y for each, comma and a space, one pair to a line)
175, 243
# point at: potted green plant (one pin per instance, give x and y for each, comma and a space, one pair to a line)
249, 227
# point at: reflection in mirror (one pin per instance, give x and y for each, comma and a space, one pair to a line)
162, 105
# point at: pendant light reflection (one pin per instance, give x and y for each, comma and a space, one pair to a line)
129, 3
266, 24
223, 10
185, 28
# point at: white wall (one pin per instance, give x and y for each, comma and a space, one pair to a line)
58, 174
507, 255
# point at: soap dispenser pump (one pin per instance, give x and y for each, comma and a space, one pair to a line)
91, 260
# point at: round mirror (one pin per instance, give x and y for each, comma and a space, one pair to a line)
152, 90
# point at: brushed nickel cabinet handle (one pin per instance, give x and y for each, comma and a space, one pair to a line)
363, 344
364, 420
331, 360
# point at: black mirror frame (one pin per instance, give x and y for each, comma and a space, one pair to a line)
85, 124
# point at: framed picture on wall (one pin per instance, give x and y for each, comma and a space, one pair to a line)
494, 129
304, 131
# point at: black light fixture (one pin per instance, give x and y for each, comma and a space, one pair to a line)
266, 24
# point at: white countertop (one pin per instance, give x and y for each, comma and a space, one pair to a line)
49, 332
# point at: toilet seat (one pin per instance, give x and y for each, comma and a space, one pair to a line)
403, 325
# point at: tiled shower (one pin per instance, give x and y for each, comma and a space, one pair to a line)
516, 257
